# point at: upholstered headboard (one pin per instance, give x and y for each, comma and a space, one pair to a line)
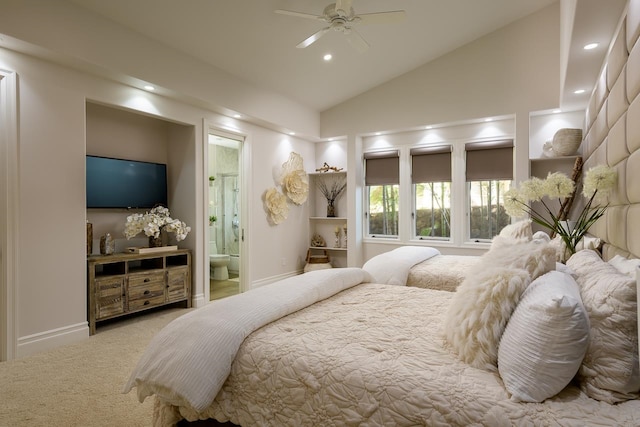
612, 136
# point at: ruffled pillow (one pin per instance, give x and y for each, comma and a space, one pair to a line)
610, 369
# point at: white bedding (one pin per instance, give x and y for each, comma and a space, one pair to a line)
373, 355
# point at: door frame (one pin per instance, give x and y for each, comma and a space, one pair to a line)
9, 212
244, 209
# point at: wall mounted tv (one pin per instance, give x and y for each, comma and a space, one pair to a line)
121, 183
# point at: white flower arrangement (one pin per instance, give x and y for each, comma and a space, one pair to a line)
153, 222
599, 181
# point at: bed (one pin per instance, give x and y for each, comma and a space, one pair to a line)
355, 346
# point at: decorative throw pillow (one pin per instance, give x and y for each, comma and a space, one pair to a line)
484, 301
535, 256
479, 312
609, 371
520, 230
545, 339
625, 266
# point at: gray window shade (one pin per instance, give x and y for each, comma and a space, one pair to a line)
431, 164
382, 168
489, 160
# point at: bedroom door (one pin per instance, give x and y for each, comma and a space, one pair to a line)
225, 209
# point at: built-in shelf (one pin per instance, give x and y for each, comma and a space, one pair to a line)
327, 248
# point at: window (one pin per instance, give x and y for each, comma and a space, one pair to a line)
431, 178
382, 173
489, 171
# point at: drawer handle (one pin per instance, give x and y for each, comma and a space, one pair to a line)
146, 280
147, 292
146, 303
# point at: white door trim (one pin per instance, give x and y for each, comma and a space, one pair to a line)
9, 210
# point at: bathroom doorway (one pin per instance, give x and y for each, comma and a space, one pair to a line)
226, 233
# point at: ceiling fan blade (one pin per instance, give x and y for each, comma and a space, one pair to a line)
299, 14
381, 17
356, 40
314, 37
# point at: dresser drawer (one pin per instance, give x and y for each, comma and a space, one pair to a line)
143, 280
109, 297
177, 284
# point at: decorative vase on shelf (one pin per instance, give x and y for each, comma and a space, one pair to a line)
331, 209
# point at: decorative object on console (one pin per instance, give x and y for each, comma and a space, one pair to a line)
599, 181
295, 182
331, 188
566, 141
107, 244
153, 223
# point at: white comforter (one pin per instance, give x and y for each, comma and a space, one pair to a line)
373, 355
187, 362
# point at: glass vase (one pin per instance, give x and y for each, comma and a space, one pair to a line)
331, 210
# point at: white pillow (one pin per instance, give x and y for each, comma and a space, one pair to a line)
479, 312
484, 301
545, 339
625, 266
610, 370
392, 268
520, 230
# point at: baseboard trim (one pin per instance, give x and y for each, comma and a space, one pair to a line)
273, 279
37, 343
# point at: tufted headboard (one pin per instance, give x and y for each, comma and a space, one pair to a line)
612, 137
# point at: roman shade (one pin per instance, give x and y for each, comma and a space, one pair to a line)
431, 164
382, 167
491, 160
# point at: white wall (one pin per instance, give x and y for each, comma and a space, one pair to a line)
51, 293
512, 70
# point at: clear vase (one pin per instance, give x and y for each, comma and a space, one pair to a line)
331, 210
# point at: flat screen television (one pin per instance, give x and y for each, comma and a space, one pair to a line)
121, 183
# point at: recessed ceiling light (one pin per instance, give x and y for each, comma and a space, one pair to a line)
237, 116
590, 46
579, 91
429, 127
556, 111
292, 133
488, 120
378, 133
327, 57
149, 87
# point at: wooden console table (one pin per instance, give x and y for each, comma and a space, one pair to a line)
124, 283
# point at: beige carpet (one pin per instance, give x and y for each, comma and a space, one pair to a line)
80, 384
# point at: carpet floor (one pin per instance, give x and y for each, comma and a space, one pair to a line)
81, 384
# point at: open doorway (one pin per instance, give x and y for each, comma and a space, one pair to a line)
224, 211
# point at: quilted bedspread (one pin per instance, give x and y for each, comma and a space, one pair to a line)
373, 355
442, 272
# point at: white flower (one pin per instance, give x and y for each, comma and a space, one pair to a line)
558, 185
276, 205
152, 223
601, 179
514, 204
533, 189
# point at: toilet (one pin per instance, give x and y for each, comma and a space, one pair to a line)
218, 263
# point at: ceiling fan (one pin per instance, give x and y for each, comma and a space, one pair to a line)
341, 17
